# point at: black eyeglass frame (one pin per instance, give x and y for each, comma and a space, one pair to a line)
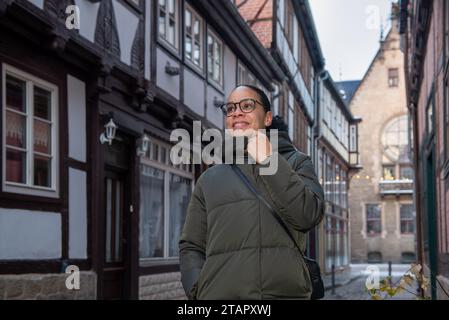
237, 105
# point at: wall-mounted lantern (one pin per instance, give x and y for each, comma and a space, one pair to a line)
109, 134
142, 147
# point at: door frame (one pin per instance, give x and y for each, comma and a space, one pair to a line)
131, 182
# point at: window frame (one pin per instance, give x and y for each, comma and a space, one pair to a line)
393, 81
379, 220
29, 188
163, 37
195, 17
215, 37
167, 168
408, 220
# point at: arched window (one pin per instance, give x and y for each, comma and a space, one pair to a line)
395, 140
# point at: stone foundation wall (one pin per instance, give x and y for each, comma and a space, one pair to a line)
47, 287
164, 286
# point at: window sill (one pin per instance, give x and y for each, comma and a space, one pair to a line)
216, 86
30, 191
169, 48
194, 68
144, 263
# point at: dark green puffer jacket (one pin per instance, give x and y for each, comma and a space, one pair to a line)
232, 247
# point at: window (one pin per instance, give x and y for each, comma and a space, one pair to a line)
373, 219
163, 209
214, 58
393, 77
169, 21
30, 164
406, 172
244, 76
389, 173
395, 140
353, 138
407, 219
194, 37
374, 257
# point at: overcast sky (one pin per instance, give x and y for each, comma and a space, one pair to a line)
349, 32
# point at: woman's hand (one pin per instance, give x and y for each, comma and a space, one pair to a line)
259, 147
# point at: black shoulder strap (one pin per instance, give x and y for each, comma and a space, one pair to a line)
253, 189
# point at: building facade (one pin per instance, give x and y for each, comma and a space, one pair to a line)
381, 196
89, 96
337, 161
425, 30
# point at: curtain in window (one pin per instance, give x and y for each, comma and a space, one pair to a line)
180, 191
151, 240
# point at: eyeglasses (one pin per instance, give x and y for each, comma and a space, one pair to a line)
246, 106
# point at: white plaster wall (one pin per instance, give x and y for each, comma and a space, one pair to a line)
77, 214
126, 26
32, 235
76, 101
88, 18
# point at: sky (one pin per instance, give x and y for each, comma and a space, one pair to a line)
349, 33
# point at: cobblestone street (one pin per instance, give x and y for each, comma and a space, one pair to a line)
351, 284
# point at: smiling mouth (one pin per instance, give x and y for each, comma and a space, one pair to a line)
240, 125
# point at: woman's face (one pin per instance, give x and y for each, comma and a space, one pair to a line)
244, 123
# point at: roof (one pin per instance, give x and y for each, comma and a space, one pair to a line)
347, 89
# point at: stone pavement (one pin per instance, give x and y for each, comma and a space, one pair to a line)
350, 284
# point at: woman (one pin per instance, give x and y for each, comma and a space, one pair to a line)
231, 246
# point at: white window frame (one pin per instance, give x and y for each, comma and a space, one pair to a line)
29, 188
168, 169
195, 17
215, 38
162, 36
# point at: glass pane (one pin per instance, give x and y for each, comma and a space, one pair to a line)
42, 171
407, 173
216, 72
171, 32
188, 47
163, 155
196, 30
15, 94
389, 173
15, 166
151, 240
180, 190
171, 6
188, 22
42, 103
373, 211
162, 17
118, 221
407, 212
155, 152
42, 137
108, 219
15, 129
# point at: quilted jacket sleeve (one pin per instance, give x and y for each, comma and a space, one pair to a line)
296, 192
